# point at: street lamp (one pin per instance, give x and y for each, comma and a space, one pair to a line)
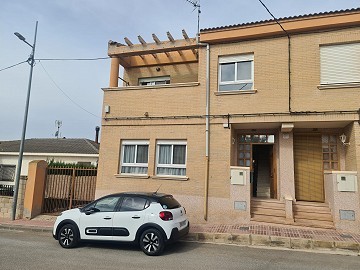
31, 62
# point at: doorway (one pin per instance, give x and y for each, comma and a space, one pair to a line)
263, 171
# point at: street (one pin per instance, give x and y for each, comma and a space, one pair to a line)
38, 250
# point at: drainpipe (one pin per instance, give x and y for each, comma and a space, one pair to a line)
207, 129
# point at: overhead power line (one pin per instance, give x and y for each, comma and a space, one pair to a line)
14, 65
72, 59
62, 91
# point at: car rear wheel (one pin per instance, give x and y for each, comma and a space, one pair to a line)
68, 236
152, 242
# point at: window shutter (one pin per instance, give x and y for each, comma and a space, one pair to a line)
340, 63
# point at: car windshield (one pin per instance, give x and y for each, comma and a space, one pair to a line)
168, 202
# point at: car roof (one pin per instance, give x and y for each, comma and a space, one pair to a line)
154, 195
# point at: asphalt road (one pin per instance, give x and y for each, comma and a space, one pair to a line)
33, 250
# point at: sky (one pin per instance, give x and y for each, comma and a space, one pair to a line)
70, 91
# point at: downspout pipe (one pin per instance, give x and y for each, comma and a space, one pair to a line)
207, 130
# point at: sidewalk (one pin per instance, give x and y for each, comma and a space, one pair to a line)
253, 234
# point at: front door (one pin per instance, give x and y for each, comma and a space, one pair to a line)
309, 181
257, 152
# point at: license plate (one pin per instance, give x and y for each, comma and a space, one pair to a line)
182, 223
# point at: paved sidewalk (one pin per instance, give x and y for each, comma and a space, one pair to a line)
253, 234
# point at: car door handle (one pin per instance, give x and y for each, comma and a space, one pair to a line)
135, 217
107, 217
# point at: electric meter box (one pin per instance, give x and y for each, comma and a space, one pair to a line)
346, 182
237, 176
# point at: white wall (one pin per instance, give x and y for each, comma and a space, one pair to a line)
10, 159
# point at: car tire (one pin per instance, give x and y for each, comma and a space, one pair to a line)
152, 242
68, 236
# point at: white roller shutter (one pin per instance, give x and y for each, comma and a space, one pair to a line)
340, 63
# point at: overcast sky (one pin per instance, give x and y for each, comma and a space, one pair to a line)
82, 29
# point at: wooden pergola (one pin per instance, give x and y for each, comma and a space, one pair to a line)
156, 53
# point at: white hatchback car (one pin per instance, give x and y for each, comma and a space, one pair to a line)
149, 219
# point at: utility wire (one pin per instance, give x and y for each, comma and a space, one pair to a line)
58, 87
72, 59
276, 20
14, 65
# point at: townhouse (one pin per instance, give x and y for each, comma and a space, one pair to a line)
249, 122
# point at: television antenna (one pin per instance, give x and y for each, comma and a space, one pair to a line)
196, 5
58, 124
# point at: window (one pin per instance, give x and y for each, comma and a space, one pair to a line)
330, 155
7, 173
134, 204
340, 63
236, 72
154, 80
134, 157
171, 158
107, 204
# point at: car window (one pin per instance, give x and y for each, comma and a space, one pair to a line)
107, 204
133, 204
168, 202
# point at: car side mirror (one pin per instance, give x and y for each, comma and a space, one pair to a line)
91, 210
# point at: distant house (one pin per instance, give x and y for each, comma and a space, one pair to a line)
78, 151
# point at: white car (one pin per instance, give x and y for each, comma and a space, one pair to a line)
149, 219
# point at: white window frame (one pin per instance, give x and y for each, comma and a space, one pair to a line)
154, 80
171, 165
236, 59
339, 63
133, 164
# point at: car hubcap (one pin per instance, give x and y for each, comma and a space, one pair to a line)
66, 236
151, 242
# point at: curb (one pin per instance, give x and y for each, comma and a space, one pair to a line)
12, 227
255, 240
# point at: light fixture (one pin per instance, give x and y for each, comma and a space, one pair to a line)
342, 138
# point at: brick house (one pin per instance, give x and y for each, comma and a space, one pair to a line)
247, 124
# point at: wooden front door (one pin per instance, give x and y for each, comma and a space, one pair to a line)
309, 179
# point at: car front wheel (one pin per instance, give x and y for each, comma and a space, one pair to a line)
152, 242
68, 237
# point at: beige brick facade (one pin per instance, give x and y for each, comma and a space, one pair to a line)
177, 112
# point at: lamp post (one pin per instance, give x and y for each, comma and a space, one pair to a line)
31, 62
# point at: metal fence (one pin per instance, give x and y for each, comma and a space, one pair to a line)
7, 173
6, 190
67, 188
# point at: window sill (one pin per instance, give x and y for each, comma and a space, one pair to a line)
235, 92
338, 85
132, 176
176, 178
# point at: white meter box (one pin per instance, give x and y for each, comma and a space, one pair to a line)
238, 176
346, 182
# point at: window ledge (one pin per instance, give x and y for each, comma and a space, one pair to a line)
132, 176
159, 86
235, 92
176, 178
338, 85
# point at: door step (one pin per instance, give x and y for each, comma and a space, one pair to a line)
268, 210
306, 214
313, 214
